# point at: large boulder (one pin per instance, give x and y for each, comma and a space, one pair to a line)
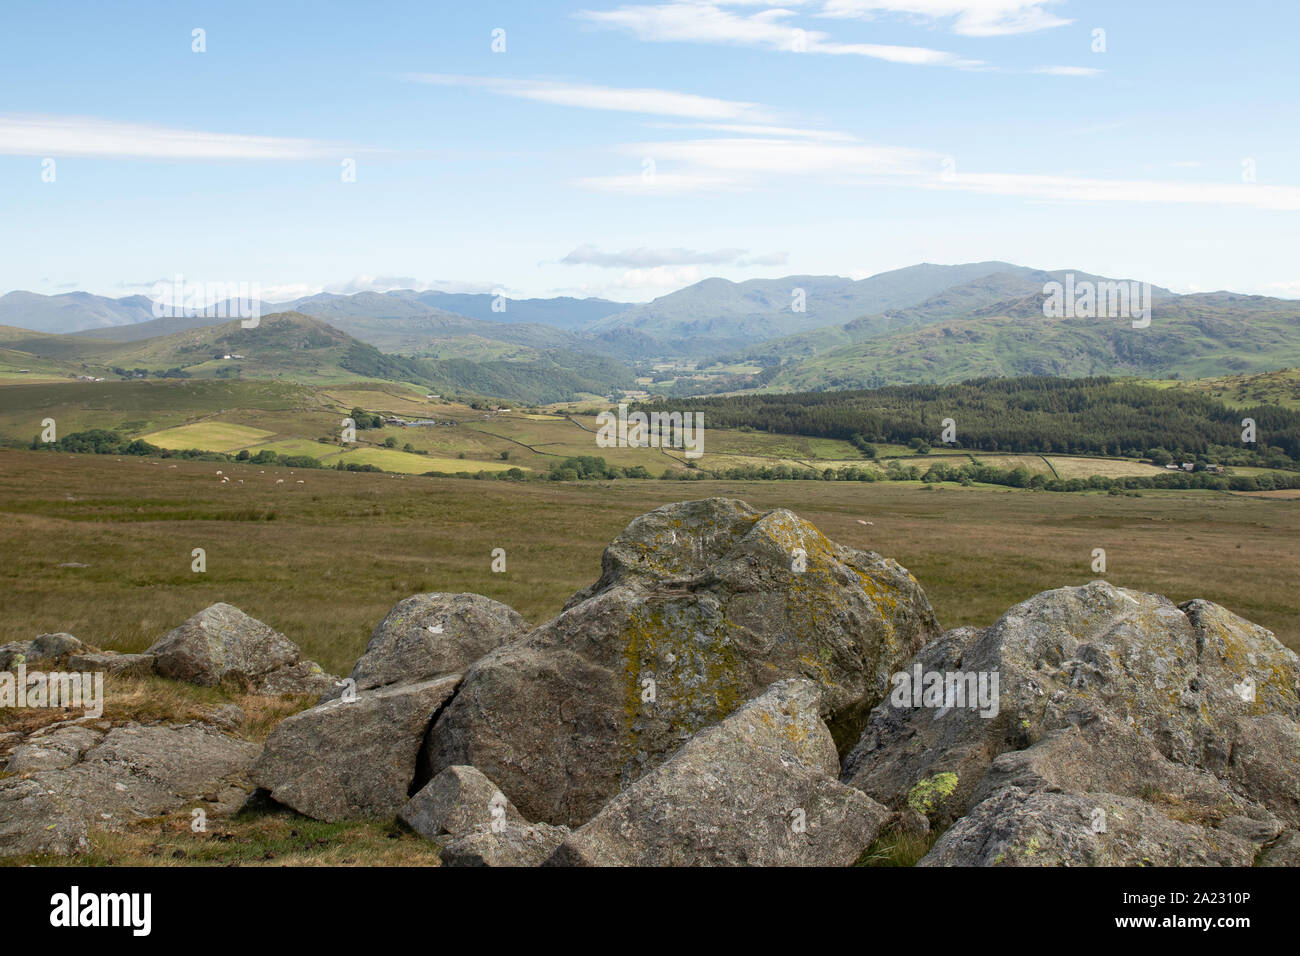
1105, 697
221, 642
433, 635
79, 779
757, 789
1048, 828
349, 759
700, 606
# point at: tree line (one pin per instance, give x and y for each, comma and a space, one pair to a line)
1089, 416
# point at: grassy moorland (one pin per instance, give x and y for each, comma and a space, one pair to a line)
324, 560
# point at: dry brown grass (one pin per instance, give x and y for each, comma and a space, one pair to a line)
341, 549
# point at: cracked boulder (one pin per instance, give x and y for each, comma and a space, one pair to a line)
701, 605
351, 759
757, 789
433, 635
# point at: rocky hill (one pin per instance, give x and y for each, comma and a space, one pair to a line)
734, 689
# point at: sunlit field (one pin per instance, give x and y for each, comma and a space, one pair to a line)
323, 555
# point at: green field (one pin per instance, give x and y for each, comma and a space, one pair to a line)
209, 436
398, 461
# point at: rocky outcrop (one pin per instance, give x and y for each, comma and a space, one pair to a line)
1015, 827
79, 777
39, 651
350, 759
700, 606
223, 643
433, 635
1183, 720
757, 789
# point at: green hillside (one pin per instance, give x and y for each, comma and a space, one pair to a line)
1189, 337
295, 347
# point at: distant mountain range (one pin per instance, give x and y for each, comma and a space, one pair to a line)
924, 323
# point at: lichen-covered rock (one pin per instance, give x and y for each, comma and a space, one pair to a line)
14, 653
1189, 710
701, 605
454, 802
222, 641
304, 677
134, 771
1133, 674
515, 844
1015, 827
757, 789
346, 760
433, 635
53, 646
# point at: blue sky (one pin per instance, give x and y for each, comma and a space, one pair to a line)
628, 149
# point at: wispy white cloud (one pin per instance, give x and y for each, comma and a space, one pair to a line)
708, 21
591, 96
975, 18
662, 183
46, 135
750, 162
643, 258
702, 165
759, 130
1067, 70
1082, 189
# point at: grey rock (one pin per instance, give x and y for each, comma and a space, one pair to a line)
52, 751
347, 760
222, 641
304, 677
134, 772
705, 599
454, 802
1284, 852
1102, 692
757, 789
13, 653
1015, 827
516, 844
227, 717
51, 646
118, 665
433, 635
